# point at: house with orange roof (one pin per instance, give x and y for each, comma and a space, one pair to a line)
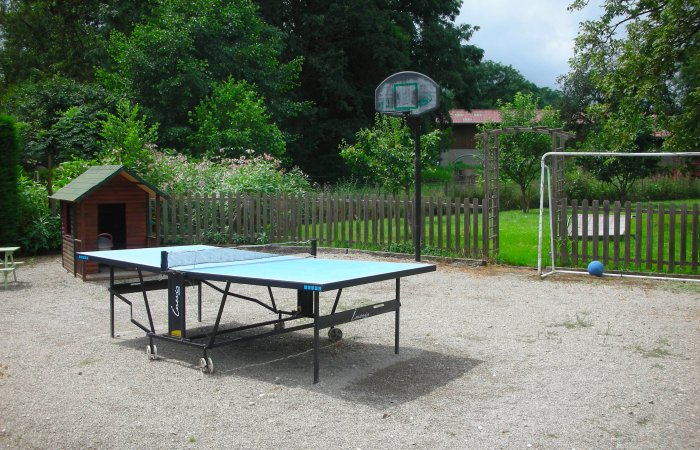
464, 143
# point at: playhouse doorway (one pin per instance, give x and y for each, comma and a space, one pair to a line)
111, 219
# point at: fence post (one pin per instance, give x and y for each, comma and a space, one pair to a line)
475, 226
695, 252
573, 236
638, 236
660, 243
584, 231
197, 217
439, 222
467, 205
458, 210
684, 232
448, 220
650, 234
563, 231
606, 231
672, 237
596, 230
628, 232
485, 228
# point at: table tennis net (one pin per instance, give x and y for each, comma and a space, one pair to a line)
209, 256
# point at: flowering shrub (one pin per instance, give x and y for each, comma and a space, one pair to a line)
177, 173
174, 172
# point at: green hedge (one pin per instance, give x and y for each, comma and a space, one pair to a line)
9, 166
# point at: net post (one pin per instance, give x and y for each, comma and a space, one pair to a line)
164, 260
314, 247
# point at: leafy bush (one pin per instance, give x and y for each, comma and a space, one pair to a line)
9, 162
264, 174
580, 184
41, 229
669, 188
127, 139
69, 170
441, 174
383, 155
233, 120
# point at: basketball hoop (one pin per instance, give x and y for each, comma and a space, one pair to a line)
407, 93
410, 94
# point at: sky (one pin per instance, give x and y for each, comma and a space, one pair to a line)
536, 37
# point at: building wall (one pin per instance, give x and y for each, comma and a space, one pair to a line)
68, 249
463, 136
463, 146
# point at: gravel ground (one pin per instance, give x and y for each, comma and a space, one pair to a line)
491, 357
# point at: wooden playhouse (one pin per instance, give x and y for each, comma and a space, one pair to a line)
107, 207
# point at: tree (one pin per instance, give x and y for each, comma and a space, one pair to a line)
383, 155
349, 47
500, 82
57, 120
46, 107
44, 38
520, 153
127, 139
235, 122
169, 64
643, 56
578, 93
9, 165
624, 131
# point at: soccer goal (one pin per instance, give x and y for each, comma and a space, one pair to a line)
545, 175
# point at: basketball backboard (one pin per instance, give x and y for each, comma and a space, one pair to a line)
407, 93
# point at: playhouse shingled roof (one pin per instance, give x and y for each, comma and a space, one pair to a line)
95, 177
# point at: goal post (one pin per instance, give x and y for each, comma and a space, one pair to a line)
545, 176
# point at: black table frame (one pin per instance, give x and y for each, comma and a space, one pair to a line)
308, 307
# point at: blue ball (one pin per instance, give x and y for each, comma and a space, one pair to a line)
596, 268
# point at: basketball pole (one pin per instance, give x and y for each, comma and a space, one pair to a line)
414, 123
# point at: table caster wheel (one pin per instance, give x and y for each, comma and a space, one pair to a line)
206, 365
279, 326
335, 334
152, 352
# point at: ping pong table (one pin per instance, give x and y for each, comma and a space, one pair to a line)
198, 265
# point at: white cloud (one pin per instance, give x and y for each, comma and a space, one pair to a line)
535, 37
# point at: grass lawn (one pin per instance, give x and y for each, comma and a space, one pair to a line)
518, 238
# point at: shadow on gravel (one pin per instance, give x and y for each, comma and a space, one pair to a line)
353, 370
14, 286
410, 379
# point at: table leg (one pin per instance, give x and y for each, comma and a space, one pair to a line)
396, 318
176, 305
199, 301
14, 271
111, 301
317, 343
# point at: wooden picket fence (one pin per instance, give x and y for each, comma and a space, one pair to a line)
660, 238
453, 226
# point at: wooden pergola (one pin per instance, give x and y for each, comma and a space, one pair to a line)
490, 142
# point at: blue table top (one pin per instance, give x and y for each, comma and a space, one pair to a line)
305, 273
